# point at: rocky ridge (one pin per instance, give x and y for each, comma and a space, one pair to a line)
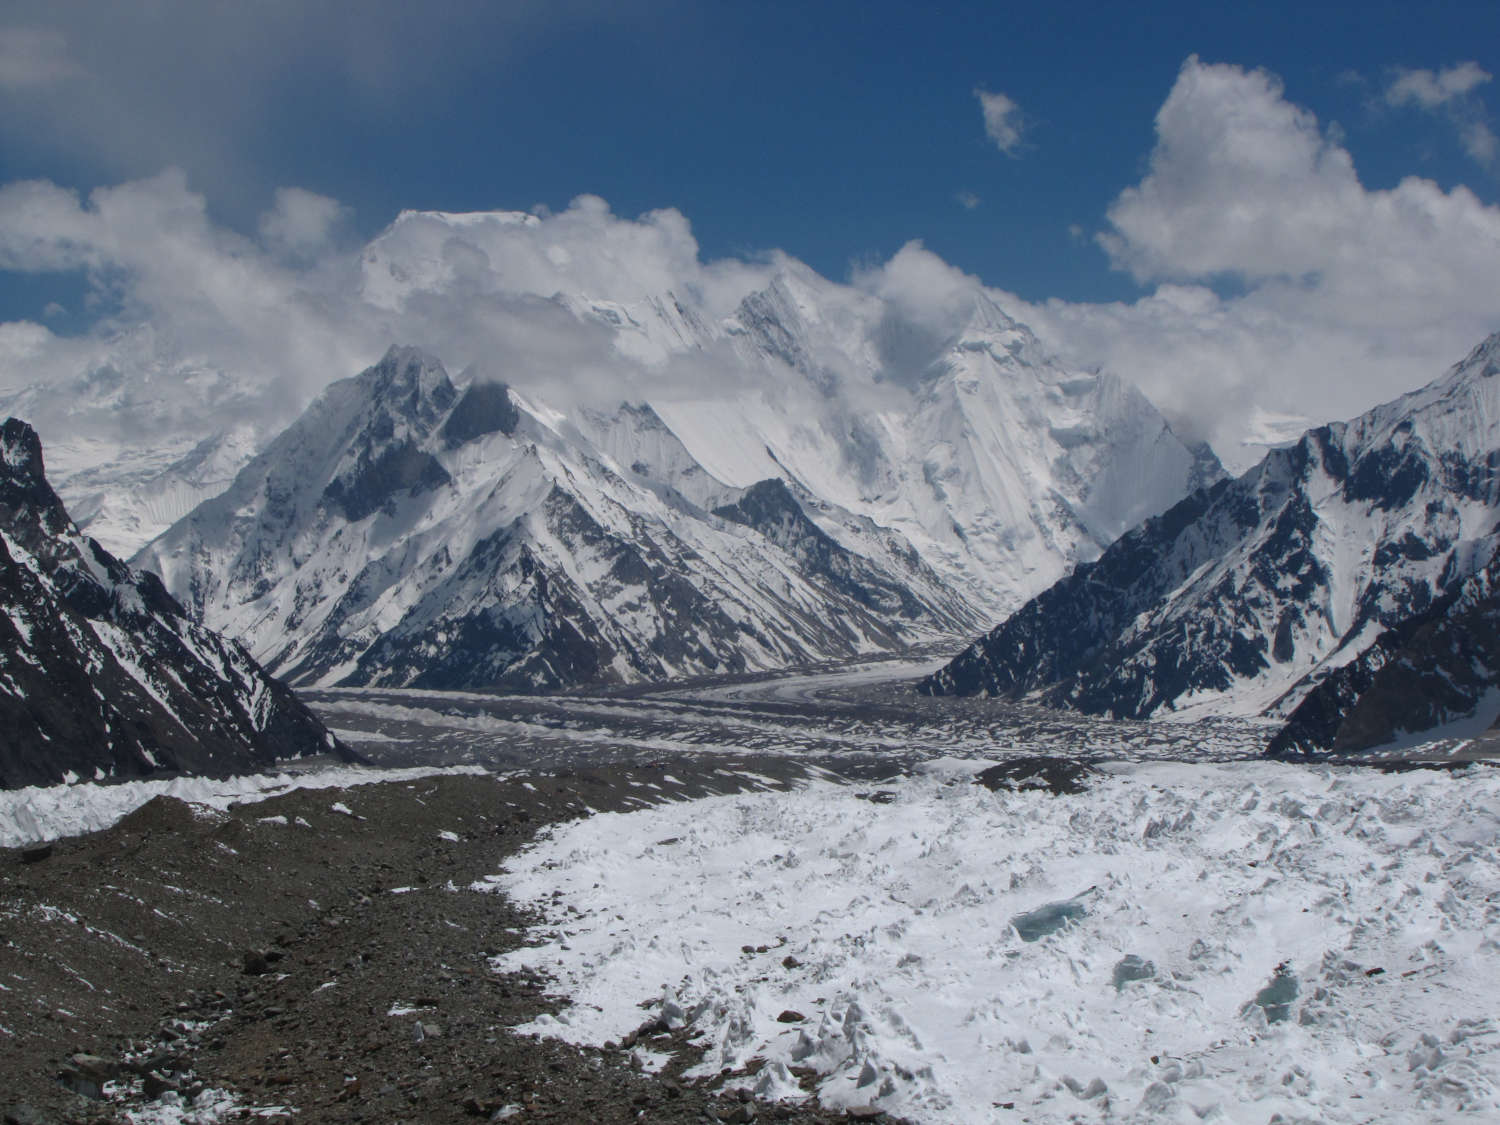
102, 673
404, 534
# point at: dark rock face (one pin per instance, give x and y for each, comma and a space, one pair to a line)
484, 409
769, 507
371, 484
1316, 567
1437, 667
1058, 776
382, 460
101, 671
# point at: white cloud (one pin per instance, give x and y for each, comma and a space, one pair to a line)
301, 223
297, 307
1480, 142
1339, 296
32, 57
967, 200
1344, 296
1003, 122
1430, 89
1451, 93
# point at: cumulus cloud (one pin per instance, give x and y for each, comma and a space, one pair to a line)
1339, 296
1450, 91
1003, 122
1278, 283
967, 200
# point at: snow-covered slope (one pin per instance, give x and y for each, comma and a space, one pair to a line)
1000, 468
1246, 594
101, 672
1428, 674
814, 473
404, 533
137, 442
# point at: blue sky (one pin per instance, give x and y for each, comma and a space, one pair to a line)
837, 132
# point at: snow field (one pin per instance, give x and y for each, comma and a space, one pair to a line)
40, 813
887, 926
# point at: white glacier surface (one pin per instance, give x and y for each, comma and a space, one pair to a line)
1208, 894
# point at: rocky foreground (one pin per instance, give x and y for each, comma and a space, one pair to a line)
319, 957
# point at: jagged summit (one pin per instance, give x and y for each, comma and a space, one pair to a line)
28, 507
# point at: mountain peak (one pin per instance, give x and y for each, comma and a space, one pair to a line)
27, 502
1485, 358
1245, 595
21, 450
409, 384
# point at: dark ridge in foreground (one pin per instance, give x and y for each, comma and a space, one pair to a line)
102, 673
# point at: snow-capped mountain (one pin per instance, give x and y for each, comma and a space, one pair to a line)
905, 411
1245, 595
102, 673
812, 475
1001, 469
404, 532
1436, 672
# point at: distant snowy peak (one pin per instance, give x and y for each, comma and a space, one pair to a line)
404, 532
137, 441
1247, 594
1001, 468
102, 673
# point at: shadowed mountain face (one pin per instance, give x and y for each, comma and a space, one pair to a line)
1432, 671
101, 671
1246, 596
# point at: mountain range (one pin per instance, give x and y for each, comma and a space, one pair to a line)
825, 471
413, 530
1358, 559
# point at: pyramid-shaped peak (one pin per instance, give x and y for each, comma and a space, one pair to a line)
408, 381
